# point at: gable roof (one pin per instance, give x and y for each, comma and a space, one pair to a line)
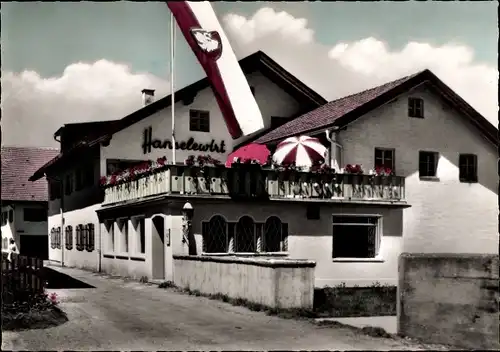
257, 61
345, 110
18, 164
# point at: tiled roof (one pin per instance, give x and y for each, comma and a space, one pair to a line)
327, 114
18, 164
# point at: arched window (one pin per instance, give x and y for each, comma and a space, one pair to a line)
245, 241
214, 232
90, 238
68, 239
273, 235
58, 238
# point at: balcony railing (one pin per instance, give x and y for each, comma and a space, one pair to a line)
254, 182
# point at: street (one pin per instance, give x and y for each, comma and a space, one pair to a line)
126, 315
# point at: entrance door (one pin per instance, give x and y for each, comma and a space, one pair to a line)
158, 247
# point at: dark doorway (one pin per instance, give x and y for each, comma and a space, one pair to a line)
158, 247
36, 246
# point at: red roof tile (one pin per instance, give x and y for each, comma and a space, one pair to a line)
327, 114
18, 164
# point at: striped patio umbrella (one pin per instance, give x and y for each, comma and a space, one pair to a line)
302, 151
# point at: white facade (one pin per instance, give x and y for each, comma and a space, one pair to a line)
446, 215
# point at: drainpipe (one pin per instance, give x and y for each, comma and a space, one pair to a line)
331, 136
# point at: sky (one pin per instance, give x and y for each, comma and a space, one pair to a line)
88, 61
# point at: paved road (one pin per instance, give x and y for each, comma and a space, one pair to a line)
120, 315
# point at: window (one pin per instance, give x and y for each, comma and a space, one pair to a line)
5, 243
313, 212
215, 239
139, 228
53, 238
110, 228
467, 167
416, 107
54, 189
245, 241
89, 237
277, 121
58, 238
11, 215
79, 238
35, 214
252, 89
244, 236
427, 164
68, 184
142, 235
4, 218
199, 121
384, 158
68, 239
123, 226
275, 235
356, 236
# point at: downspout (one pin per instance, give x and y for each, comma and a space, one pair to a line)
331, 136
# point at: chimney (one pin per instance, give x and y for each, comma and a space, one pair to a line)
148, 96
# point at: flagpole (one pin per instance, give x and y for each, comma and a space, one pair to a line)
172, 89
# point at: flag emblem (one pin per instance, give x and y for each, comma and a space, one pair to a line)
209, 42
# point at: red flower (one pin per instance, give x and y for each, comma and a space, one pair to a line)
103, 180
161, 161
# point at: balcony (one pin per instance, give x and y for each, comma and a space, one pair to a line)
252, 182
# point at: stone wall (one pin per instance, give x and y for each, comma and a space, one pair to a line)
450, 299
275, 283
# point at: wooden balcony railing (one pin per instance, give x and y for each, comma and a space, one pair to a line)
253, 182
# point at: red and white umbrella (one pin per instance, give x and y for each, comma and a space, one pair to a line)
301, 151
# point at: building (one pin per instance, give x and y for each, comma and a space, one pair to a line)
134, 226
24, 203
426, 133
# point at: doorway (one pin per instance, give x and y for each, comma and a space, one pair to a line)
158, 247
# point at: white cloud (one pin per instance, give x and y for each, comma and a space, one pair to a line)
350, 67
34, 107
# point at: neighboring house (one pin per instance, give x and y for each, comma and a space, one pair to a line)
354, 227
24, 203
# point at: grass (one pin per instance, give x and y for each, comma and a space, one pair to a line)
287, 313
342, 301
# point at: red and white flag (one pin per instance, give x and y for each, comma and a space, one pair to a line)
205, 36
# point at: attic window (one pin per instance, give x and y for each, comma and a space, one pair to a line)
416, 108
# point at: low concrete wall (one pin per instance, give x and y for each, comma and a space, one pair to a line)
277, 283
450, 299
